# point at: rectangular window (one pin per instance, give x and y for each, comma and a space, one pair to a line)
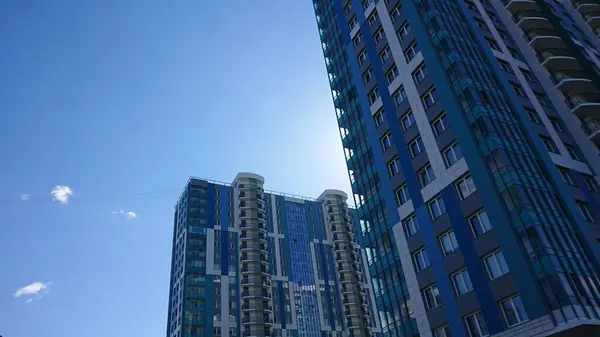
362, 56
480, 224
518, 89
527, 75
448, 242
385, 54
367, 76
532, 114
476, 325
395, 13
411, 225
426, 175
399, 96
492, 44
465, 187
416, 146
443, 331
436, 207
440, 124
420, 73
452, 154
585, 211
372, 18
429, 98
462, 282
431, 295
411, 52
356, 40
421, 259
378, 117
403, 31
556, 123
408, 119
391, 75
373, 95
505, 66
572, 152
591, 183
495, 264
378, 34
394, 166
386, 141
352, 22
549, 144
402, 195
513, 310
566, 176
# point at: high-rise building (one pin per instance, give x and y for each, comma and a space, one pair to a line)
247, 262
470, 130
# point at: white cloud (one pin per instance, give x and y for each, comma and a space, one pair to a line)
29, 301
127, 215
25, 196
32, 289
61, 193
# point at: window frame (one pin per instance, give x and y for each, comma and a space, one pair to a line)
429, 173
470, 187
424, 259
411, 225
439, 203
466, 280
402, 190
484, 229
453, 243
495, 254
452, 149
511, 300
434, 295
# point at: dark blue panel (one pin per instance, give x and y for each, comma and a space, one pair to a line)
594, 207
477, 273
323, 262
281, 304
224, 193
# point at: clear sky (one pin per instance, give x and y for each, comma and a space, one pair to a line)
113, 99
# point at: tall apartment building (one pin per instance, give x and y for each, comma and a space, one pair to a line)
470, 130
247, 262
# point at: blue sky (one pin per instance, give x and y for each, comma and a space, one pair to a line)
121, 101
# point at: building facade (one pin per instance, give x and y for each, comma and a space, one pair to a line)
470, 130
247, 262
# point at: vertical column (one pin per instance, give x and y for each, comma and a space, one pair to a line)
256, 297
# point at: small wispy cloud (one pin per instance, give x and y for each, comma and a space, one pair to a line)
33, 291
61, 193
25, 196
127, 215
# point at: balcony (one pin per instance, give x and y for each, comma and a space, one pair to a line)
245, 236
254, 226
349, 279
254, 258
592, 129
543, 39
586, 6
257, 294
250, 247
584, 106
573, 82
593, 20
257, 320
557, 60
527, 23
514, 6
256, 307
257, 282
254, 270
356, 313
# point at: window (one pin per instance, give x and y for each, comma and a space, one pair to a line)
505, 66
532, 114
481, 24
541, 98
394, 166
513, 53
585, 211
556, 123
392, 74
426, 175
429, 98
368, 75
416, 146
549, 144
527, 75
465, 187
492, 44
356, 40
476, 325
502, 34
440, 124
352, 22
436, 207
513, 310
572, 152
386, 141
442, 332
566, 176
402, 195
448, 242
431, 295
590, 182
407, 120
395, 13
495, 264
403, 31
372, 18
452, 154
411, 52
421, 259
378, 117
366, 3
420, 73
518, 89
378, 34
399, 96
373, 95
385, 54
462, 282
411, 225
480, 224
362, 56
